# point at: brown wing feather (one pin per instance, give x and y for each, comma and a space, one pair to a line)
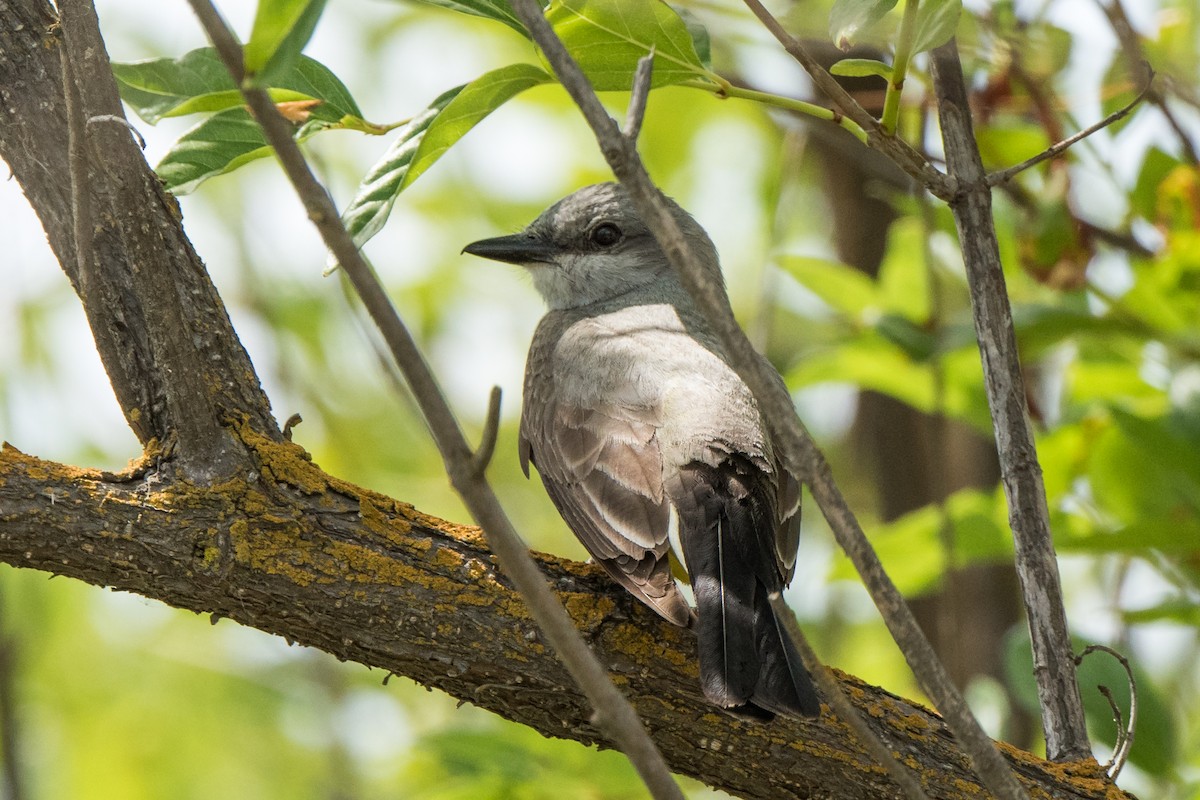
603, 471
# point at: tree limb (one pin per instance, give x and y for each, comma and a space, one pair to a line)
295, 552
1037, 567
147, 287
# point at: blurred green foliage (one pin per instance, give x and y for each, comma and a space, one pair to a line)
118, 698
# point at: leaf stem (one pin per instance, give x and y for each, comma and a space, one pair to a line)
904, 48
723, 88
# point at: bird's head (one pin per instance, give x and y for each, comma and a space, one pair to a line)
591, 246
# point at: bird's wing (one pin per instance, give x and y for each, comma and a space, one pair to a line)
603, 469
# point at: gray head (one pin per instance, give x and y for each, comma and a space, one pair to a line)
591, 246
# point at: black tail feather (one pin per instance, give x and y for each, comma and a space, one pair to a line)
748, 665
783, 685
724, 591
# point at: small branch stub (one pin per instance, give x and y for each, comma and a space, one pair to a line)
491, 431
641, 93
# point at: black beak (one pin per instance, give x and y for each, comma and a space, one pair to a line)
520, 248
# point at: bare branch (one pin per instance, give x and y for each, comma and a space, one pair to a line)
615, 716
491, 431
1124, 732
831, 690
908, 159
637, 99
1056, 149
1037, 567
798, 448
291, 422
1135, 55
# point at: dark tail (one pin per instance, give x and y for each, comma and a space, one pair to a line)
783, 685
747, 663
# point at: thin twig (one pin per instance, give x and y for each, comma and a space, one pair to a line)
615, 716
1135, 55
800, 452
908, 159
1037, 567
904, 52
1005, 175
491, 431
637, 99
1125, 735
831, 690
1118, 720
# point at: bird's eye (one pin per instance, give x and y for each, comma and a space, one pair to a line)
606, 234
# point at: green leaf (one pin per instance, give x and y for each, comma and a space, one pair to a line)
1168, 534
699, 34
1146, 473
477, 99
869, 364
861, 68
607, 37
849, 19
281, 30
426, 137
198, 82
937, 20
1156, 166
498, 10
918, 343
158, 88
219, 144
971, 527
839, 286
1182, 611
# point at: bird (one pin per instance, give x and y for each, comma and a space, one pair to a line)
652, 448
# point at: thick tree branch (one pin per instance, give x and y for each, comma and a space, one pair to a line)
151, 306
295, 552
1037, 568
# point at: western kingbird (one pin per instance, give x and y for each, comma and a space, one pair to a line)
647, 442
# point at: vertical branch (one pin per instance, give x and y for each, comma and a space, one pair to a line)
1037, 568
904, 48
137, 275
